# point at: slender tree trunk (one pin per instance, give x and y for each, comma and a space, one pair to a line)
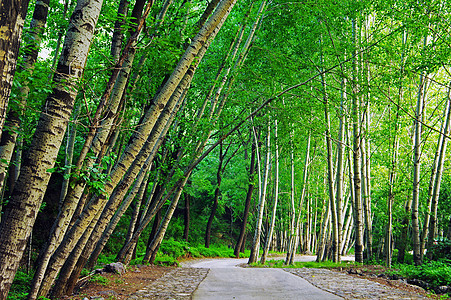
215, 199
340, 170
301, 202
186, 217
154, 245
247, 204
416, 171
261, 203
118, 33
438, 177
291, 240
69, 151
358, 207
330, 181
276, 198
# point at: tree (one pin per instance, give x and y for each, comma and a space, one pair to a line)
23, 207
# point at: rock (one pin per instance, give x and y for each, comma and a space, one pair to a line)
355, 272
418, 282
116, 267
98, 271
107, 293
443, 289
394, 277
85, 298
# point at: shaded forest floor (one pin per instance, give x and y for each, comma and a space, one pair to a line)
119, 287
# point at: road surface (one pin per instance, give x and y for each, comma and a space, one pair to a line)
228, 281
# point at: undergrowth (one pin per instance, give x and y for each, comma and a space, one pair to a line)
436, 273
280, 263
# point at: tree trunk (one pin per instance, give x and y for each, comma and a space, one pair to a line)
13, 122
358, 208
438, 177
240, 241
118, 33
262, 198
12, 19
416, 171
154, 245
28, 193
276, 197
291, 240
186, 218
301, 202
215, 199
330, 180
199, 44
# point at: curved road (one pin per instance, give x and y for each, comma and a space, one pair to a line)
228, 281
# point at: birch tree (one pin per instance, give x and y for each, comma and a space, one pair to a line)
32, 182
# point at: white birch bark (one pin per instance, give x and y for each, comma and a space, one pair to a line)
32, 182
438, 177
261, 202
276, 198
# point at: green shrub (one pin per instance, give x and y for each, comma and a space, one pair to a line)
165, 260
20, 286
84, 272
106, 259
441, 249
99, 279
173, 248
436, 273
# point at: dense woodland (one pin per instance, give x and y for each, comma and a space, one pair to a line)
307, 126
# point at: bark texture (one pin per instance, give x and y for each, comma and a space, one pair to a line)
28, 193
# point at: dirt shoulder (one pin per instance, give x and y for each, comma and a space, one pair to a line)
120, 287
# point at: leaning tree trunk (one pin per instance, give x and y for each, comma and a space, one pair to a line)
73, 198
13, 122
206, 32
32, 183
12, 18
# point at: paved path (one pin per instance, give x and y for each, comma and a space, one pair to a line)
227, 281
217, 279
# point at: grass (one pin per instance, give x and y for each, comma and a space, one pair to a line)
99, 279
280, 263
436, 273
